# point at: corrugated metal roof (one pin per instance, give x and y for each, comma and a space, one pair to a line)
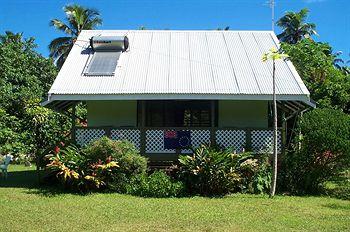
181, 62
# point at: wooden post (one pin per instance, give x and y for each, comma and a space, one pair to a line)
248, 140
73, 123
212, 122
108, 131
142, 128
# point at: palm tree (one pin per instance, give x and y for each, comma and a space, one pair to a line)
340, 63
274, 55
294, 27
78, 18
11, 37
227, 28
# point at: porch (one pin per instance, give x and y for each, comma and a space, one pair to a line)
150, 140
238, 125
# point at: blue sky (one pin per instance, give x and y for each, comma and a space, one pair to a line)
32, 17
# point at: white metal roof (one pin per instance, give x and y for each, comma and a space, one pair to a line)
181, 65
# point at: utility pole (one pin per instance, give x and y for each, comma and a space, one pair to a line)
272, 6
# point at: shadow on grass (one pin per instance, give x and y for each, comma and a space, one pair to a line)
30, 180
20, 179
337, 206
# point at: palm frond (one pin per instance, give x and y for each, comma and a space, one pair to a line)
55, 44
78, 18
59, 25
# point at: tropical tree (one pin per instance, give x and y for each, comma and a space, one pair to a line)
9, 37
78, 18
294, 27
25, 78
340, 63
328, 85
274, 55
227, 28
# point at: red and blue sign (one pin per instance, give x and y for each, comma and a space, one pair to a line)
177, 139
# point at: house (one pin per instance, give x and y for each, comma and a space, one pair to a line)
168, 90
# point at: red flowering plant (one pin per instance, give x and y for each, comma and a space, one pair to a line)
77, 172
100, 173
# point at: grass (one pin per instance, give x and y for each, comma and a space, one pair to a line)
27, 207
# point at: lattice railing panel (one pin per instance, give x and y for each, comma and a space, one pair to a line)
235, 139
132, 135
85, 136
155, 140
198, 137
262, 141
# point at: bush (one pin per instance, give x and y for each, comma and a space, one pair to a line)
23, 159
256, 174
213, 171
158, 184
103, 164
324, 153
124, 152
76, 172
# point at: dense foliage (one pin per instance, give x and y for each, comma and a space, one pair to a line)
157, 184
110, 165
102, 164
77, 172
130, 161
214, 171
117, 166
324, 151
25, 77
328, 86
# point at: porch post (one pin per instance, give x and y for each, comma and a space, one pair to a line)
108, 131
212, 122
142, 128
73, 130
248, 140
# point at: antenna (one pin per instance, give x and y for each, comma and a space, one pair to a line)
272, 6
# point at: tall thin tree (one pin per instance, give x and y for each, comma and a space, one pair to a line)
274, 55
78, 18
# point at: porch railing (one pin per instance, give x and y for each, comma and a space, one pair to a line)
150, 140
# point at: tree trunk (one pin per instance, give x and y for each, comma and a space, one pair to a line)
274, 173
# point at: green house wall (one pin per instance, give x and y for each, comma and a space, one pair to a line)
112, 113
243, 114
230, 113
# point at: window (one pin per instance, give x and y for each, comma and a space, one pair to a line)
194, 113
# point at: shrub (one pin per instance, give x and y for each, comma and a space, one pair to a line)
324, 153
103, 164
158, 184
256, 174
213, 171
75, 171
124, 152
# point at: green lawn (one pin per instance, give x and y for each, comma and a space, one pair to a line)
25, 207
